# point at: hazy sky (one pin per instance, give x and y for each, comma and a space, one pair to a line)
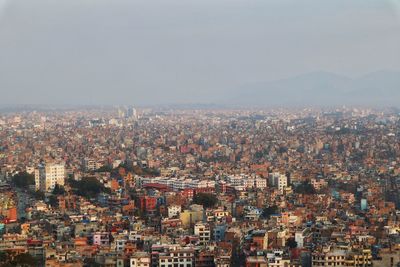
170, 51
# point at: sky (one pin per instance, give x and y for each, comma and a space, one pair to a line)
150, 52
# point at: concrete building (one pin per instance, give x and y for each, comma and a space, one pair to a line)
48, 175
174, 210
203, 231
343, 257
182, 256
279, 181
140, 259
90, 164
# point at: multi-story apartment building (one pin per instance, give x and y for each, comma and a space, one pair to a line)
172, 256
174, 210
101, 239
343, 257
90, 164
203, 231
182, 257
279, 181
140, 259
247, 181
48, 175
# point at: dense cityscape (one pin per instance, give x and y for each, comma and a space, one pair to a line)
204, 187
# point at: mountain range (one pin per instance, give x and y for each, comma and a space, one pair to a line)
381, 88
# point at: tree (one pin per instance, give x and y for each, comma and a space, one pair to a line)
24, 259
53, 201
205, 199
58, 190
282, 150
3, 257
23, 180
88, 187
21, 260
305, 188
39, 195
105, 168
90, 262
291, 243
268, 211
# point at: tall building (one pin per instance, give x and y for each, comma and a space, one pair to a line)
203, 231
48, 175
90, 164
121, 113
278, 180
131, 113
364, 204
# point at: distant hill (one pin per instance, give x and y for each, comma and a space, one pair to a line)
380, 88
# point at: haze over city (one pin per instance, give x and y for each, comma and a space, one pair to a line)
233, 52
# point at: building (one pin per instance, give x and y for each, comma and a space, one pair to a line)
91, 165
192, 216
219, 232
48, 175
343, 257
174, 210
364, 204
203, 231
182, 257
301, 236
279, 181
131, 113
147, 203
101, 239
140, 259
205, 259
329, 258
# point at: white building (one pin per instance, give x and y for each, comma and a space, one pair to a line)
279, 181
235, 180
203, 231
48, 175
300, 237
276, 259
90, 164
260, 183
174, 210
176, 184
140, 259
174, 255
247, 181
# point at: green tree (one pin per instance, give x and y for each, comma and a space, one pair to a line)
23, 180
53, 201
58, 190
205, 199
88, 187
3, 257
291, 243
305, 188
105, 168
39, 195
24, 259
90, 262
268, 211
21, 260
